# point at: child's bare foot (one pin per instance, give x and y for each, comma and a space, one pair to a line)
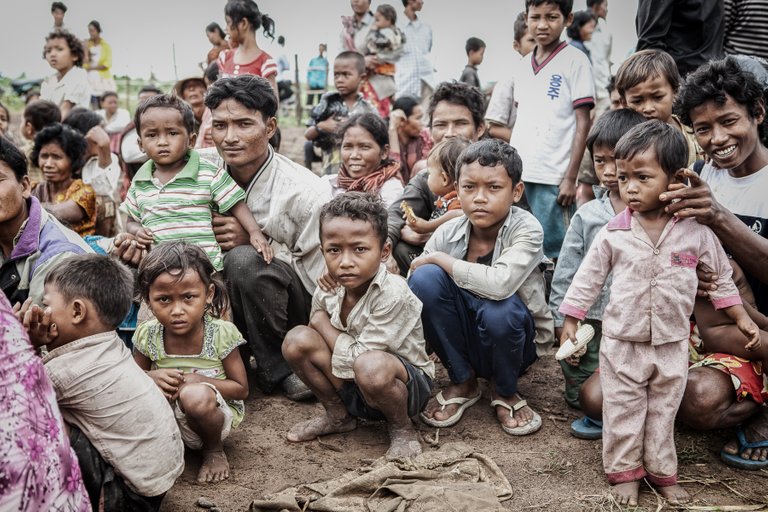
320, 426
626, 493
675, 494
403, 443
215, 467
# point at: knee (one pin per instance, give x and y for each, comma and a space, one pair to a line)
425, 282
591, 397
373, 371
505, 318
297, 343
240, 263
704, 399
197, 400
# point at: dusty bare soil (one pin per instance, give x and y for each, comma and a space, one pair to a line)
550, 470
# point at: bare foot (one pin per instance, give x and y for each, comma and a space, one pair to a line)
520, 418
320, 426
674, 494
215, 467
626, 493
434, 410
755, 430
403, 443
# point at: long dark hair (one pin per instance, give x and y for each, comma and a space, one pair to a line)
248, 10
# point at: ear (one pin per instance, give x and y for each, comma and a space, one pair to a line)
760, 117
480, 130
517, 192
384, 151
271, 127
192, 139
141, 148
78, 311
209, 294
516, 46
569, 20
386, 251
446, 180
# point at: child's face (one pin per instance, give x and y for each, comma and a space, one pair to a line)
453, 120
728, 134
58, 17
546, 22
55, 164
109, 104
346, 77
3, 121
58, 55
438, 180
486, 194
615, 100
63, 315
163, 136
525, 45
642, 181
233, 29
179, 304
652, 98
360, 152
379, 21
352, 252
476, 56
605, 167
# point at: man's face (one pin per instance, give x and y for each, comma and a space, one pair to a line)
452, 120
240, 134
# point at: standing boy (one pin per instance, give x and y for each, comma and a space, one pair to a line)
555, 92
475, 49
363, 353
334, 108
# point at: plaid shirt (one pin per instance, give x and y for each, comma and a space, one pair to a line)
414, 64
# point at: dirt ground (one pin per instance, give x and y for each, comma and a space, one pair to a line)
550, 470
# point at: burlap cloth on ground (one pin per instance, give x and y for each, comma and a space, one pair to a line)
453, 478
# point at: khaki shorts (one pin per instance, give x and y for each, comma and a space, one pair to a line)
190, 437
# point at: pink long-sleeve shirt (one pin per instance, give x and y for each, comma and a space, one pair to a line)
654, 286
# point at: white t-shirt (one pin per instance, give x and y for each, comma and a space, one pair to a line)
72, 87
117, 122
744, 197
547, 94
105, 181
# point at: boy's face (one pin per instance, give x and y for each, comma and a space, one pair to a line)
241, 134
486, 194
13, 196
65, 315
58, 17
728, 134
605, 167
346, 76
652, 98
179, 304
163, 136
525, 45
546, 22
642, 181
453, 120
352, 252
58, 55
476, 56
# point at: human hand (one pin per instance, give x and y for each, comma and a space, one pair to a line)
408, 235
260, 242
396, 120
573, 360
568, 330
37, 323
228, 232
145, 237
707, 280
327, 283
421, 260
169, 380
392, 266
749, 329
98, 136
419, 225
329, 125
371, 61
695, 200
128, 250
567, 192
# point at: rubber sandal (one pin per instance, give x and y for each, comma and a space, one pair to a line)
736, 460
587, 428
464, 403
529, 428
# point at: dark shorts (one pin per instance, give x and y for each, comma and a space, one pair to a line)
419, 387
99, 477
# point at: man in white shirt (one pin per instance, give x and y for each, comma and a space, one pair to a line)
600, 48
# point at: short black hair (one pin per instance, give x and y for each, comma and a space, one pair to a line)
356, 56
248, 10
646, 65
107, 94
565, 6
41, 113
611, 126
389, 13
166, 101
253, 92
474, 44
462, 94
82, 119
448, 152
580, 18
520, 26
490, 153
13, 158
406, 104
103, 281
667, 142
58, 5
715, 81
357, 206
211, 72
95, 24
75, 46
593, 3
71, 141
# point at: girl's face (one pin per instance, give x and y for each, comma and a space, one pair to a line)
55, 164
4, 120
179, 301
379, 21
213, 37
437, 179
109, 104
93, 33
652, 98
360, 152
586, 30
59, 55
235, 34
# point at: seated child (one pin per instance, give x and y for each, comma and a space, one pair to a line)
652, 258
190, 352
441, 181
120, 426
585, 224
173, 195
363, 353
335, 107
647, 83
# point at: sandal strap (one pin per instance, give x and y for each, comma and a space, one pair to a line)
512, 408
459, 400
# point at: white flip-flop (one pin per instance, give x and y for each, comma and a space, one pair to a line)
523, 430
584, 335
463, 402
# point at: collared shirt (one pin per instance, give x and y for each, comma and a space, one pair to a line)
654, 285
73, 87
103, 392
414, 65
514, 268
600, 47
181, 208
586, 223
386, 318
286, 199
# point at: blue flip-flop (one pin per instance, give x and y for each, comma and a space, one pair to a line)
736, 460
587, 428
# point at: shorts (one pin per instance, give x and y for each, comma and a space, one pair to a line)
190, 437
747, 376
554, 218
419, 387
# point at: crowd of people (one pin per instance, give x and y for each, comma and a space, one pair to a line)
150, 263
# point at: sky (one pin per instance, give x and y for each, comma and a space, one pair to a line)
167, 37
